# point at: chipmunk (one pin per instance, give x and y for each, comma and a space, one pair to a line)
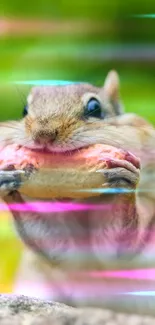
62, 248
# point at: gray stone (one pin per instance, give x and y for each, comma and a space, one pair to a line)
21, 310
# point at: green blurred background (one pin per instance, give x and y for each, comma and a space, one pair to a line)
72, 40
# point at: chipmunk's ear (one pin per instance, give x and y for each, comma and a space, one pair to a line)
110, 92
112, 85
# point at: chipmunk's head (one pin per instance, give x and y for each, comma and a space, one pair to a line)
57, 118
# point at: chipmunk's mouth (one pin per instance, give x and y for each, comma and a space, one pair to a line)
55, 149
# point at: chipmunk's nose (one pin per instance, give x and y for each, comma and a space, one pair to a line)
44, 137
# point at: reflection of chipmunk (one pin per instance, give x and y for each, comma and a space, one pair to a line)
66, 118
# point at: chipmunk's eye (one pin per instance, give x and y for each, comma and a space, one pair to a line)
25, 110
93, 109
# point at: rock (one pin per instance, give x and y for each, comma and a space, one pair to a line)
21, 310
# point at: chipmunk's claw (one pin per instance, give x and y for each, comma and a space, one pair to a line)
29, 169
11, 179
122, 172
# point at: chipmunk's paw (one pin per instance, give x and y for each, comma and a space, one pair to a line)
122, 173
11, 179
